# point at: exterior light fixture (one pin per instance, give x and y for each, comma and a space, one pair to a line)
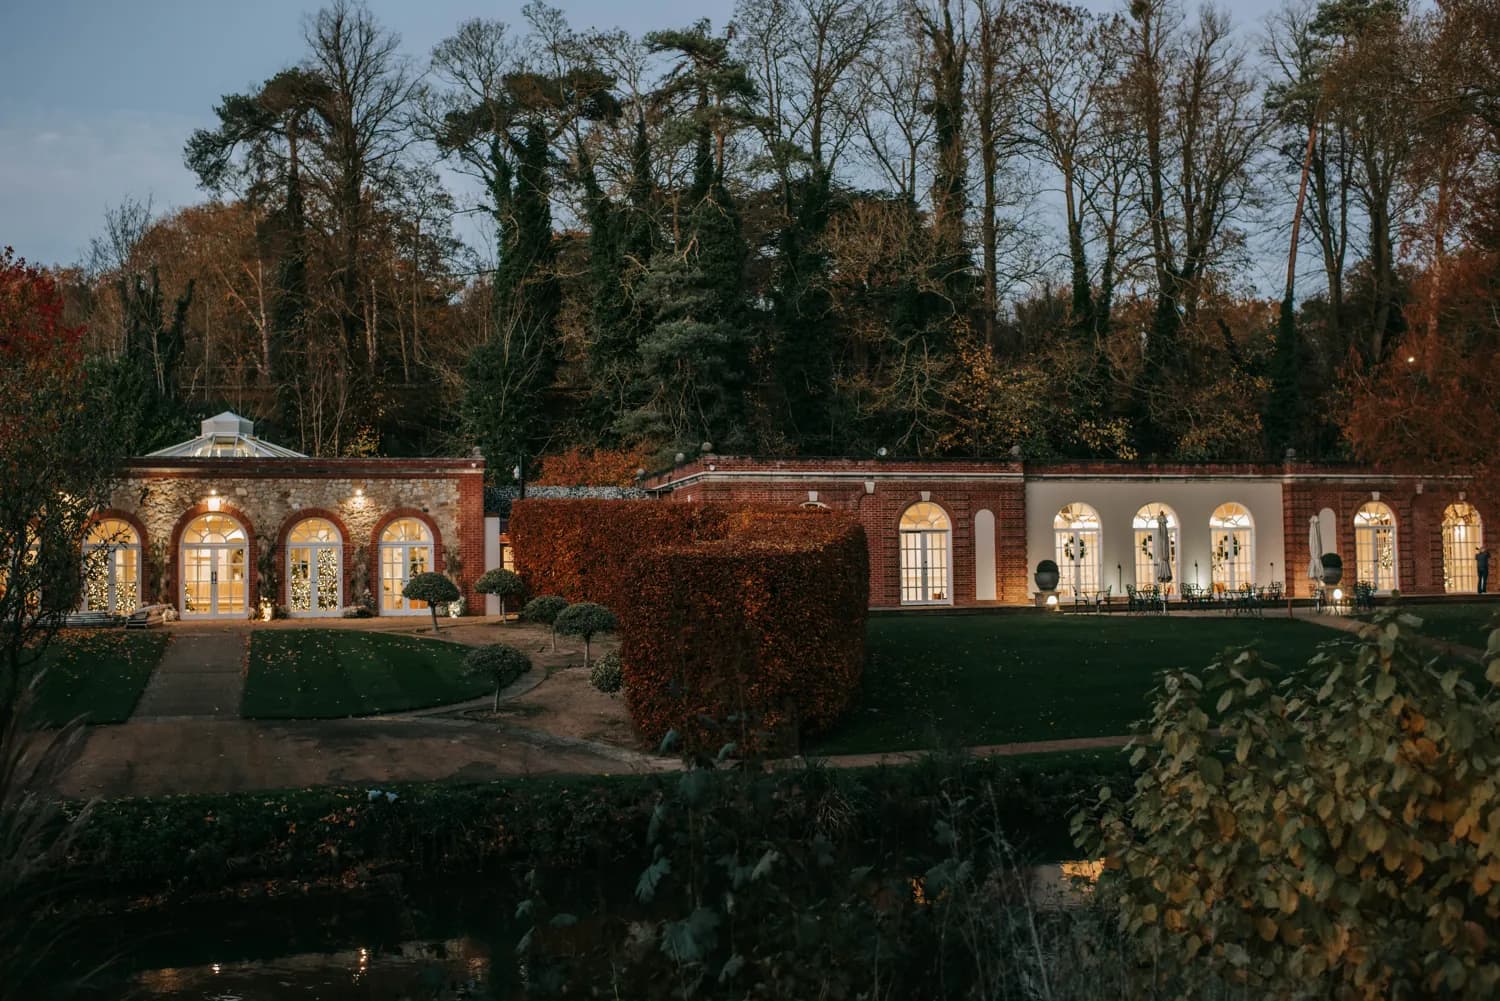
1051, 601
1338, 594
1411, 359
359, 491
880, 451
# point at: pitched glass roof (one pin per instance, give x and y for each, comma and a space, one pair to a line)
227, 436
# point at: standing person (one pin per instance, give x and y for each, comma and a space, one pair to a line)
1482, 564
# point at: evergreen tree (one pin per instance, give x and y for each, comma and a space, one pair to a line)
803, 315
143, 381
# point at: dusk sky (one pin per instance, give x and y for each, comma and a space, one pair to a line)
97, 98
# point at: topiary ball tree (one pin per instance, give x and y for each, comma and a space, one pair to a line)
544, 609
608, 676
585, 620
500, 663
433, 588
504, 584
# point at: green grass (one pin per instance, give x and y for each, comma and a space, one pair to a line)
961, 680
1467, 625
96, 675
326, 674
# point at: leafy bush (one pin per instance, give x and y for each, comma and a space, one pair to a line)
504, 664
585, 620
433, 588
1331, 833
544, 610
606, 675
504, 584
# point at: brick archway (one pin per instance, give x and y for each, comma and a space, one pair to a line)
439, 561
143, 583
252, 552
346, 559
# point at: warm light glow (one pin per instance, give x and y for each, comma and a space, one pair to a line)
1051, 601
1338, 594
216, 968
214, 502
1411, 359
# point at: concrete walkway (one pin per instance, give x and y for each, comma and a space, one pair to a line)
200, 676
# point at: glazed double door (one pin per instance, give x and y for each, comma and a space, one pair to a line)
214, 580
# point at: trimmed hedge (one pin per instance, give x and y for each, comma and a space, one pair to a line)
186, 845
738, 624
756, 639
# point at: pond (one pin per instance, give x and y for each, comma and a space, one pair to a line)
450, 942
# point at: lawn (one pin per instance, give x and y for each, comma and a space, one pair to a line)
960, 680
325, 674
1467, 625
95, 674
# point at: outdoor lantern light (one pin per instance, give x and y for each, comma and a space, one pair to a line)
880, 451
1338, 594
1051, 601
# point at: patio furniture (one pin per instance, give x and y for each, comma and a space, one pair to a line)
1364, 596
92, 620
146, 616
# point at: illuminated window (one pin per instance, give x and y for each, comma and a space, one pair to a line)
1232, 538
926, 570
405, 551
1076, 536
111, 568
1156, 559
1463, 537
315, 568
1375, 554
215, 567
507, 554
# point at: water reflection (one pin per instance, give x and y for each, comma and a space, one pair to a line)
445, 971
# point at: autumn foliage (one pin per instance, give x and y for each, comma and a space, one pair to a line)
739, 625
36, 346
593, 468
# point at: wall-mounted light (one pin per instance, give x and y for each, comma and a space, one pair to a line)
359, 491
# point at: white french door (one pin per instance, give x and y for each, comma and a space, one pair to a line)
399, 563
214, 580
314, 579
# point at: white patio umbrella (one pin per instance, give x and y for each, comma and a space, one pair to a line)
1315, 548
1163, 549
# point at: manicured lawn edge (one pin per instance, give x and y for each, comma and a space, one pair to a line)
336, 674
99, 675
182, 845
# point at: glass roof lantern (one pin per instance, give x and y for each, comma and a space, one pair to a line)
226, 436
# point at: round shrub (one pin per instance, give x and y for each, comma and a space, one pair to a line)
498, 662
544, 610
433, 588
503, 584
607, 675
585, 620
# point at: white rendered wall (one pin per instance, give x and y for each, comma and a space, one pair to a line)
1118, 498
984, 556
491, 560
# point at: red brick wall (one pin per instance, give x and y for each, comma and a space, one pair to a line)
880, 514
470, 542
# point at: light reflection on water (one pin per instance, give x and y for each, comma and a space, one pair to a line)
451, 970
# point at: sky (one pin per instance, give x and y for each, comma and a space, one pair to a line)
97, 98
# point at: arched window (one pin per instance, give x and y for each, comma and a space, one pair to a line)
405, 551
1076, 533
314, 568
215, 567
111, 567
1232, 547
1156, 551
1375, 557
1463, 537
926, 570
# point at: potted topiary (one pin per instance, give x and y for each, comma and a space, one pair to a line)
433, 588
504, 584
1046, 576
544, 610
1333, 569
585, 621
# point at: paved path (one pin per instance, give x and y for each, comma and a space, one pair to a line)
200, 676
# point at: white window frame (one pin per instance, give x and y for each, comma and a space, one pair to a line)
1462, 538
402, 550
220, 556
1367, 548
1078, 573
928, 546
111, 554
313, 548
1234, 569
1145, 541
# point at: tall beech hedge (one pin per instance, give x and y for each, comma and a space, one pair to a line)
738, 624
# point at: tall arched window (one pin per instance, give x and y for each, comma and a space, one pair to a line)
1232, 547
405, 551
1156, 553
314, 567
215, 567
1375, 557
111, 567
1463, 536
926, 570
1077, 538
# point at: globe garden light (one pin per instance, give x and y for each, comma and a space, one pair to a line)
1338, 594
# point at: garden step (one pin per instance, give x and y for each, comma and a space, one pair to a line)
200, 677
